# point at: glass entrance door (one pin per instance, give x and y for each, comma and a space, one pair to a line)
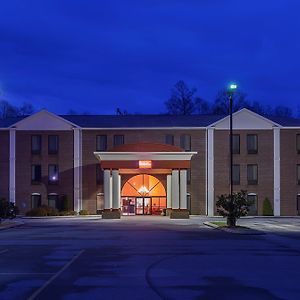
143, 206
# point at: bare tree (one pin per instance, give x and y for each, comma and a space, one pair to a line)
7, 110
182, 100
25, 109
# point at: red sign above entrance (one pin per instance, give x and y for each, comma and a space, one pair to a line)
145, 164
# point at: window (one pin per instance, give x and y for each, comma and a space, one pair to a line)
236, 144
185, 142
52, 144
53, 201
252, 198
236, 174
298, 204
188, 176
298, 143
36, 144
252, 144
101, 143
170, 139
36, 200
298, 174
53, 174
36, 174
252, 174
99, 174
118, 140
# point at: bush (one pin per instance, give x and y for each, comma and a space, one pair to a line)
67, 213
43, 211
83, 212
233, 208
8, 209
267, 208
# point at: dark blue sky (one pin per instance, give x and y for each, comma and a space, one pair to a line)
98, 55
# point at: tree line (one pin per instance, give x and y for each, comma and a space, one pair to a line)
183, 100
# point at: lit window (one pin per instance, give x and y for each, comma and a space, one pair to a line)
53, 174
252, 174
236, 174
36, 144
36, 174
252, 144
185, 142
170, 139
101, 143
53, 144
118, 139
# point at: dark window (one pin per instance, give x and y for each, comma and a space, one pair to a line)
118, 139
189, 176
53, 144
101, 143
170, 139
298, 143
99, 174
36, 144
53, 201
236, 144
185, 142
53, 174
36, 173
298, 174
252, 144
298, 204
236, 174
252, 198
252, 174
36, 200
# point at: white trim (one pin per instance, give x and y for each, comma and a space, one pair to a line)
77, 170
35, 194
107, 184
210, 172
169, 191
251, 194
276, 204
52, 194
175, 189
183, 189
12, 165
43, 111
116, 189
270, 122
116, 156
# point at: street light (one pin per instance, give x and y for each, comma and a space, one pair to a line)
232, 88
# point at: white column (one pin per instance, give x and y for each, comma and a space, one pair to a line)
77, 170
12, 165
183, 182
169, 191
210, 172
116, 189
107, 190
175, 189
276, 204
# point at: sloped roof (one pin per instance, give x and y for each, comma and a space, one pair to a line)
141, 121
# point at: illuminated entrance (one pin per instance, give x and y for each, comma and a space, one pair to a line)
143, 195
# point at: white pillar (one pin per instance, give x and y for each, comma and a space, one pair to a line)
107, 190
12, 165
175, 189
77, 170
116, 189
183, 196
276, 204
210, 172
169, 191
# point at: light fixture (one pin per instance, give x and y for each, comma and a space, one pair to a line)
143, 190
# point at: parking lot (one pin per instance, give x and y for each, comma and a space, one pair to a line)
149, 258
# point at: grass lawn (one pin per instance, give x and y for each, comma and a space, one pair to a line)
220, 223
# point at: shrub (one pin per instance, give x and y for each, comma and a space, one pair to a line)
8, 209
267, 208
43, 211
84, 212
233, 208
67, 213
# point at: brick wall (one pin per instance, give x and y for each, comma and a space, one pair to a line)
4, 164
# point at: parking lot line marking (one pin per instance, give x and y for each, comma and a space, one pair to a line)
3, 251
48, 282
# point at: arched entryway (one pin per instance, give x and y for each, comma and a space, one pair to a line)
143, 194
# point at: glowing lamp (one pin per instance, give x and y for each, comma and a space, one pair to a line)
143, 190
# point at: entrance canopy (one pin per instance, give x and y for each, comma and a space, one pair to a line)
145, 156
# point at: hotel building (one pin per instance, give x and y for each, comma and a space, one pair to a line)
148, 164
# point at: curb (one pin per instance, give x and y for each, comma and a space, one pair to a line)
95, 217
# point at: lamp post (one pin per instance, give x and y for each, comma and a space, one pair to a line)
231, 90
